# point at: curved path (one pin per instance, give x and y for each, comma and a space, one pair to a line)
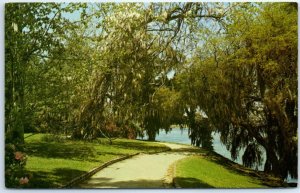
141, 171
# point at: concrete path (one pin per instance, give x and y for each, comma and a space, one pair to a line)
141, 171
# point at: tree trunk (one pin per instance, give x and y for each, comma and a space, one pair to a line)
15, 112
151, 134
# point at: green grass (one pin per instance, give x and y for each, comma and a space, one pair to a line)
209, 172
55, 163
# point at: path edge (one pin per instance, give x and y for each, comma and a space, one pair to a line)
174, 179
98, 168
95, 170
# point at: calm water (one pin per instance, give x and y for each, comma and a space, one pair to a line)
181, 136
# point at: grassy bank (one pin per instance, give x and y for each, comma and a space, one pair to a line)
55, 161
217, 172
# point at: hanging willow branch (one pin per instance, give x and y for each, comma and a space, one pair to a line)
92, 111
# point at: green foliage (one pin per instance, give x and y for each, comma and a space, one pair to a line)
53, 138
252, 155
15, 160
33, 34
107, 73
249, 92
200, 133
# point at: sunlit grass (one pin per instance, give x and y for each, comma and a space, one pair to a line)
52, 164
202, 172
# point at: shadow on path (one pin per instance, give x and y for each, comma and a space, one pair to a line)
110, 183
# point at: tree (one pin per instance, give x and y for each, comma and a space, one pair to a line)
34, 34
136, 56
234, 71
30, 31
25, 36
249, 92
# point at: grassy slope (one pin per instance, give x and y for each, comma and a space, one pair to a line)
217, 172
55, 163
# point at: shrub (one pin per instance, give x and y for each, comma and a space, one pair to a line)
53, 138
15, 160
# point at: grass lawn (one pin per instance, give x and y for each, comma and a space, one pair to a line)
54, 163
216, 172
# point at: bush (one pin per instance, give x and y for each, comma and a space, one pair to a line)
121, 130
53, 138
15, 160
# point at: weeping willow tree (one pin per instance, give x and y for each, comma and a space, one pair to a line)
91, 116
200, 128
137, 46
247, 85
128, 64
166, 109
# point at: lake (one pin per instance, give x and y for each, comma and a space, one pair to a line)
181, 136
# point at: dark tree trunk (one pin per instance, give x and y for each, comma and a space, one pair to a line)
151, 134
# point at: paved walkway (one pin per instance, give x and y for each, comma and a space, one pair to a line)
141, 171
